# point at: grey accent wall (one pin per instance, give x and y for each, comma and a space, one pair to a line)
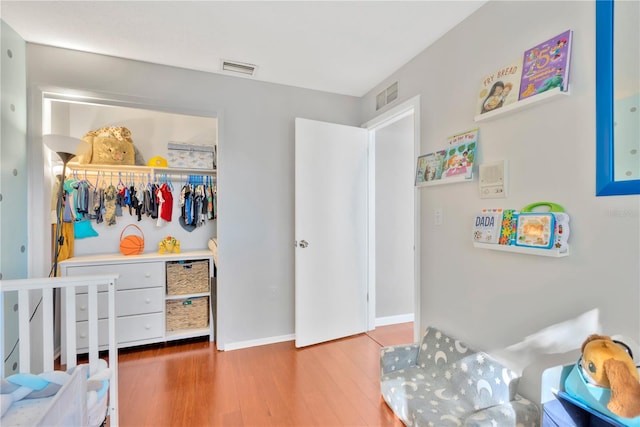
13, 186
394, 214
255, 174
493, 299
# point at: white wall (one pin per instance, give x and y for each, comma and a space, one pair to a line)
394, 219
493, 299
255, 175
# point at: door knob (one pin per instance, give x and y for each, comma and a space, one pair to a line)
303, 244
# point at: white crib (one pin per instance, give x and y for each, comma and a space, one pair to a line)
69, 405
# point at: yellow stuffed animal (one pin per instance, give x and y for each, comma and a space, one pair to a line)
111, 146
169, 244
607, 364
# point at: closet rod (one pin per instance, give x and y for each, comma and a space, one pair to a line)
174, 172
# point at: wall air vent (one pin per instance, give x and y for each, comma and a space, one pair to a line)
381, 99
238, 67
387, 96
392, 93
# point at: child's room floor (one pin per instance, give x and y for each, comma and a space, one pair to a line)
193, 384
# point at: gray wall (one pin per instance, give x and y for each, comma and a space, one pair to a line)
13, 186
493, 299
255, 175
394, 218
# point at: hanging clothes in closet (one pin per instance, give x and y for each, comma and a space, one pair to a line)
197, 202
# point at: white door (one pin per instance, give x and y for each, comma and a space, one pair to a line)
330, 231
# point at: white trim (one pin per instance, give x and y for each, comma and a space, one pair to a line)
411, 106
254, 343
393, 320
371, 236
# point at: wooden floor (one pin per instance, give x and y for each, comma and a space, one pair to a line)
193, 384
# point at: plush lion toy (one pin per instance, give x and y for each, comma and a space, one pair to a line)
607, 364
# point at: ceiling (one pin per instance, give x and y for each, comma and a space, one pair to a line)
344, 47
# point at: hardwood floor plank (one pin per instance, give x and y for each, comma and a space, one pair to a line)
192, 384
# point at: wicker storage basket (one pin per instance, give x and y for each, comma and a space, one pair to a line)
187, 313
187, 277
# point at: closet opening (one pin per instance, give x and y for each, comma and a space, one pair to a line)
187, 141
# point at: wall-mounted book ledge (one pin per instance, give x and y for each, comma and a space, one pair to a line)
523, 104
526, 231
451, 180
555, 253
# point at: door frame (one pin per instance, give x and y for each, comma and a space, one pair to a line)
409, 107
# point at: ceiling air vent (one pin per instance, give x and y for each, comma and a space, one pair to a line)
387, 96
238, 67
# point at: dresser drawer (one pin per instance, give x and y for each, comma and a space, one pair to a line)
132, 275
82, 306
139, 301
135, 328
129, 302
128, 329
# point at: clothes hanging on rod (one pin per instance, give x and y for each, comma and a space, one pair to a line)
110, 196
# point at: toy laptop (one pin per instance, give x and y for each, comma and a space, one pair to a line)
542, 229
535, 230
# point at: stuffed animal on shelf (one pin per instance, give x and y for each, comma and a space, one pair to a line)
606, 363
111, 146
169, 244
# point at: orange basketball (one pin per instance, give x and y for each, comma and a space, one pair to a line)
131, 245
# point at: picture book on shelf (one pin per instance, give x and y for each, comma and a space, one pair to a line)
460, 154
499, 88
430, 166
546, 66
487, 226
508, 229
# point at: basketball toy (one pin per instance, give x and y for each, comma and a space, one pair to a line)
131, 244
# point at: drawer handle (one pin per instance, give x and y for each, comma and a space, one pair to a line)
147, 327
147, 275
83, 308
148, 300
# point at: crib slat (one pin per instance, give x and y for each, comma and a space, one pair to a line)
24, 331
113, 356
70, 311
47, 330
93, 328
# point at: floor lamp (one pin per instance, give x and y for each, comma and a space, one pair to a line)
66, 148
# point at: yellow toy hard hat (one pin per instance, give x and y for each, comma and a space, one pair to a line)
158, 162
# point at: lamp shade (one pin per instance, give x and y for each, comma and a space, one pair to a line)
66, 147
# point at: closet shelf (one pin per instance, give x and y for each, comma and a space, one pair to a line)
525, 103
555, 253
140, 169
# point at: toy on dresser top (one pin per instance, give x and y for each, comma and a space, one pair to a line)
545, 230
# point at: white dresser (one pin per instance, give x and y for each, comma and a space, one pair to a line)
144, 307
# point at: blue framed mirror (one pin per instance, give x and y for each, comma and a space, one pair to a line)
617, 98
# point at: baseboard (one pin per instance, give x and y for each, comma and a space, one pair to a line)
392, 320
254, 343
380, 321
